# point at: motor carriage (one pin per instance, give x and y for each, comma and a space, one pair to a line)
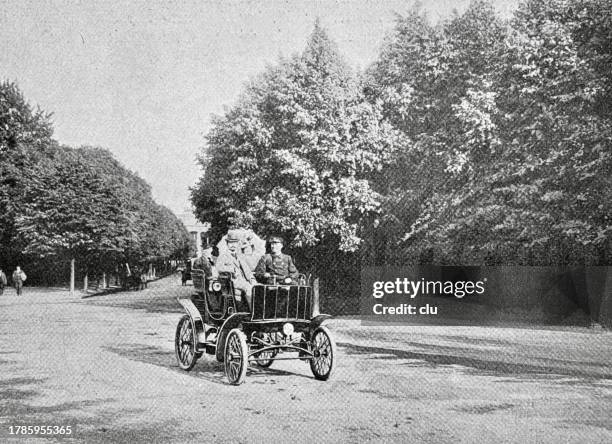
283, 322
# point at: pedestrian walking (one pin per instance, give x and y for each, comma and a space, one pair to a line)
2, 281
19, 278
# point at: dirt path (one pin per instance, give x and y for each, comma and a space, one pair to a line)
106, 366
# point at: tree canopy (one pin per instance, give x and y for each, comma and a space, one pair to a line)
62, 202
474, 140
295, 155
507, 130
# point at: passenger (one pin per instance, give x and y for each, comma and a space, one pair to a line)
276, 267
206, 262
248, 251
232, 262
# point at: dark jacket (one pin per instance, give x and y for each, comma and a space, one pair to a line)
203, 263
280, 266
236, 265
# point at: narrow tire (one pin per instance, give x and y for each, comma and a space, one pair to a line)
324, 350
236, 357
185, 344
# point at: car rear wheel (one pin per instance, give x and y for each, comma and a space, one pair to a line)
185, 344
323, 349
236, 357
266, 358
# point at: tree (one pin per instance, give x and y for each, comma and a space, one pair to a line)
20, 124
24, 136
70, 210
507, 130
435, 83
59, 203
538, 194
295, 155
82, 203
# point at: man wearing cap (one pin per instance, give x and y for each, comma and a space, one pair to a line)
276, 267
232, 262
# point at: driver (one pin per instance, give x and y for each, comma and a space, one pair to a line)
276, 267
232, 262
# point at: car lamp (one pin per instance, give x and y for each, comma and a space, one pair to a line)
216, 286
288, 329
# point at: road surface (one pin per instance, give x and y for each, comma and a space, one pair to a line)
105, 366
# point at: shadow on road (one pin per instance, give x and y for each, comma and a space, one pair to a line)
207, 367
19, 405
14, 391
483, 366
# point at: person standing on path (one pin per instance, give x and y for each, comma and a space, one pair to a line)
2, 281
18, 279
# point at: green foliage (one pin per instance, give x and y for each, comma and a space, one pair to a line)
296, 153
472, 141
435, 83
20, 124
82, 203
59, 203
507, 134
62, 209
24, 134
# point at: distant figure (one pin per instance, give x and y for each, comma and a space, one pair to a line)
19, 278
186, 273
2, 281
144, 279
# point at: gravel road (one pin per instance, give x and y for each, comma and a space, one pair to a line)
105, 366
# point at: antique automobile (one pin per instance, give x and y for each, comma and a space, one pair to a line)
282, 323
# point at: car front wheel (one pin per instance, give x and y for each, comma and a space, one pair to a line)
323, 349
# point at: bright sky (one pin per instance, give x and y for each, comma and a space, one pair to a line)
142, 78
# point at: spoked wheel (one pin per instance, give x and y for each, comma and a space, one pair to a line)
221, 341
185, 344
236, 357
324, 352
266, 358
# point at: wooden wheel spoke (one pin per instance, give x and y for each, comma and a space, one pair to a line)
185, 345
323, 349
236, 353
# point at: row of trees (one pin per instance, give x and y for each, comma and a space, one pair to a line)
507, 133
472, 141
59, 203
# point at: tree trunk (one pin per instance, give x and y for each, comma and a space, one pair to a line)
72, 277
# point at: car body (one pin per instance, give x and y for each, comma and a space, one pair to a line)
283, 322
